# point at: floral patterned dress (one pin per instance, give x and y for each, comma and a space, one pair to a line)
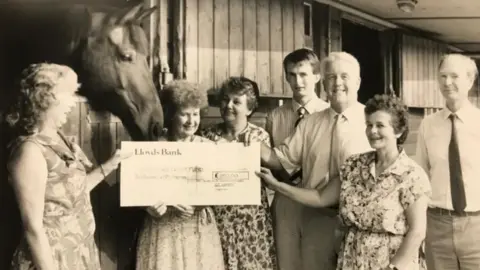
245, 230
68, 218
175, 243
373, 210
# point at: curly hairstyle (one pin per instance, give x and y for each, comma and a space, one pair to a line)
241, 86
180, 94
37, 88
395, 107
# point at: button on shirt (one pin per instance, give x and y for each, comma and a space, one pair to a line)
308, 147
432, 154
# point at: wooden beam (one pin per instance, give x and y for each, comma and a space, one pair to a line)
178, 37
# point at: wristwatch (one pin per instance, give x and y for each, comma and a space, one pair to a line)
392, 266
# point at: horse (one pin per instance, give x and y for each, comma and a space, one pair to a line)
108, 50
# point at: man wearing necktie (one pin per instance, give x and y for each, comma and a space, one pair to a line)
319, 145
447, 148
302, 72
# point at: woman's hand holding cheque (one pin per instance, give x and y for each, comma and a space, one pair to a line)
159, 209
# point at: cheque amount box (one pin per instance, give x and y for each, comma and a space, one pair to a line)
227, 176
223, 180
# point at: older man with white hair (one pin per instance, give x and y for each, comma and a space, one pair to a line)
319, 145
447, 148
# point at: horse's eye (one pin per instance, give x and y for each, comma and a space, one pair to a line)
127, 57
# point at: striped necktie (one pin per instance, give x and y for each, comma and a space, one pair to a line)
301, 114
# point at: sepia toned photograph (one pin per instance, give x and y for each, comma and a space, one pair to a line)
239, 134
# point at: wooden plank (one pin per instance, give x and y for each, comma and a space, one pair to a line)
319, 31
149, 25
263, 46
162, 33
250, 39
298, 24
221, 40
406, 69
335, 20
105, 199
432, 70
419, 92
276, 48
131, 219
70, 128
235, 46
206, 57
191, 40
287, 33
177, 26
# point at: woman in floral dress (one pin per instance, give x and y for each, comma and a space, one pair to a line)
245, 230
180, 237
383, 196
52, 177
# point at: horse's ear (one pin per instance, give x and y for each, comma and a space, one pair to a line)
130, 14
145, 14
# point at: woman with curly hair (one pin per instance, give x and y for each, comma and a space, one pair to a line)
51, 176
180, 237
382, 195
245, 230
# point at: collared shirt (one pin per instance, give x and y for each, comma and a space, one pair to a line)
432, 154
280, 122
308, 147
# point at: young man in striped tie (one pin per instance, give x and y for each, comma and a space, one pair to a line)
302, 72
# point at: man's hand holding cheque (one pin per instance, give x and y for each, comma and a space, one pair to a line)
270, 181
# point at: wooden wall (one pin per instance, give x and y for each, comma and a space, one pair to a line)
241, 37
474, 94
418, 70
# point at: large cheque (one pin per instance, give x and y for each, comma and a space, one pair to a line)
190, 174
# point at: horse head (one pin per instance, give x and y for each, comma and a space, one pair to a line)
111, 61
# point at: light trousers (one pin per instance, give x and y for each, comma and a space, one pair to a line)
305, 237
452, 243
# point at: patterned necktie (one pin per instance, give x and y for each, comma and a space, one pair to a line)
301, 114
457, 188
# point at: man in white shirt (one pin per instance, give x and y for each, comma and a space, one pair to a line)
309, 148
447, 148
302, 72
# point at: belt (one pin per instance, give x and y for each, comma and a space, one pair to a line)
446, 212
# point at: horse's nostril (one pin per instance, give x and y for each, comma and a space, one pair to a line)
156, 131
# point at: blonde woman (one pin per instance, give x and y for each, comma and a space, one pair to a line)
51, 177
